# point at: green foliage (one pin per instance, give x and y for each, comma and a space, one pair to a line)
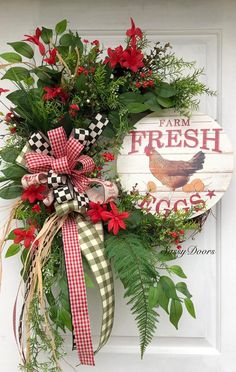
190, 307
61, 27
22, 48
14, 172
16, 74
12, 250
133, 263
11, 57
176, 311
46, 35
9, 154
10, 191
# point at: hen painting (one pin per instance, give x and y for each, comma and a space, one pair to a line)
173, 173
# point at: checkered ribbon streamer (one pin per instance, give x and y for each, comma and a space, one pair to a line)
59, 157
91, 244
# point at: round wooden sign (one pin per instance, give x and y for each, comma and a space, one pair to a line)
180, 162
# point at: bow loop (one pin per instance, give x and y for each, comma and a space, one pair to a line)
58, 141
61, 165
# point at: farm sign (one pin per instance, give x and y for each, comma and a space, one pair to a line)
178, 162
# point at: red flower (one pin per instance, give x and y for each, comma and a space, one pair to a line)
115, 219
132, 59
33, 193
35, 40
13, 130
95, 42
28, 236
115, 56
134, 31
82, 70
3, 91
9, 116
52, 57
36, 208
95, 211
55, 92
174, 234
74, 110
108, 156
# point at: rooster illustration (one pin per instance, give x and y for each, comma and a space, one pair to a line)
173, 173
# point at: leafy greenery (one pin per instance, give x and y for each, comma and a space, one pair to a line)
134, 266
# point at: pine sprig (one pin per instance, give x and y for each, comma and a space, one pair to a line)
133, 262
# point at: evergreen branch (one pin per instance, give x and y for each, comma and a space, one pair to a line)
133, 262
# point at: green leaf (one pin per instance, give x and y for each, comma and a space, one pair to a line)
162, 299
11, 57
10, 191
151, 101
3, 179
135, 108
12, 250
14, 172
168, 287
46, 35
61, 27
152, 297
65, 317
23, 48
16, 95
165, 102
178, 271
182, 287
16, 74
165, 90
66, 40
166, 255
190, 307
176, 310
130, 97
11, 236
9, 154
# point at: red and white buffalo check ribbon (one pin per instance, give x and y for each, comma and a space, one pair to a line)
77, 290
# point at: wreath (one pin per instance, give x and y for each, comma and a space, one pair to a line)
71, 104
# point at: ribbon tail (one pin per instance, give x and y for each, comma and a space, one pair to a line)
91, 243
77, 292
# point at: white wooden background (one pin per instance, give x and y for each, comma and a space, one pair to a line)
200, 30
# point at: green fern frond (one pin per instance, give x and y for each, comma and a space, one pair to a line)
133, 262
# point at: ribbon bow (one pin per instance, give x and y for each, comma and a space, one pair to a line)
60, 160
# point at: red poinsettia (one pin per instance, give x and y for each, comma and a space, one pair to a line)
53, 92
115, 218
3, 91
25, 235
33, 193
95, 211
108, 156
115, 56
51, 60
36, 208
134, 31
35, 40
132, 59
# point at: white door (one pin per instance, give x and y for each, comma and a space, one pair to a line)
198, 30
